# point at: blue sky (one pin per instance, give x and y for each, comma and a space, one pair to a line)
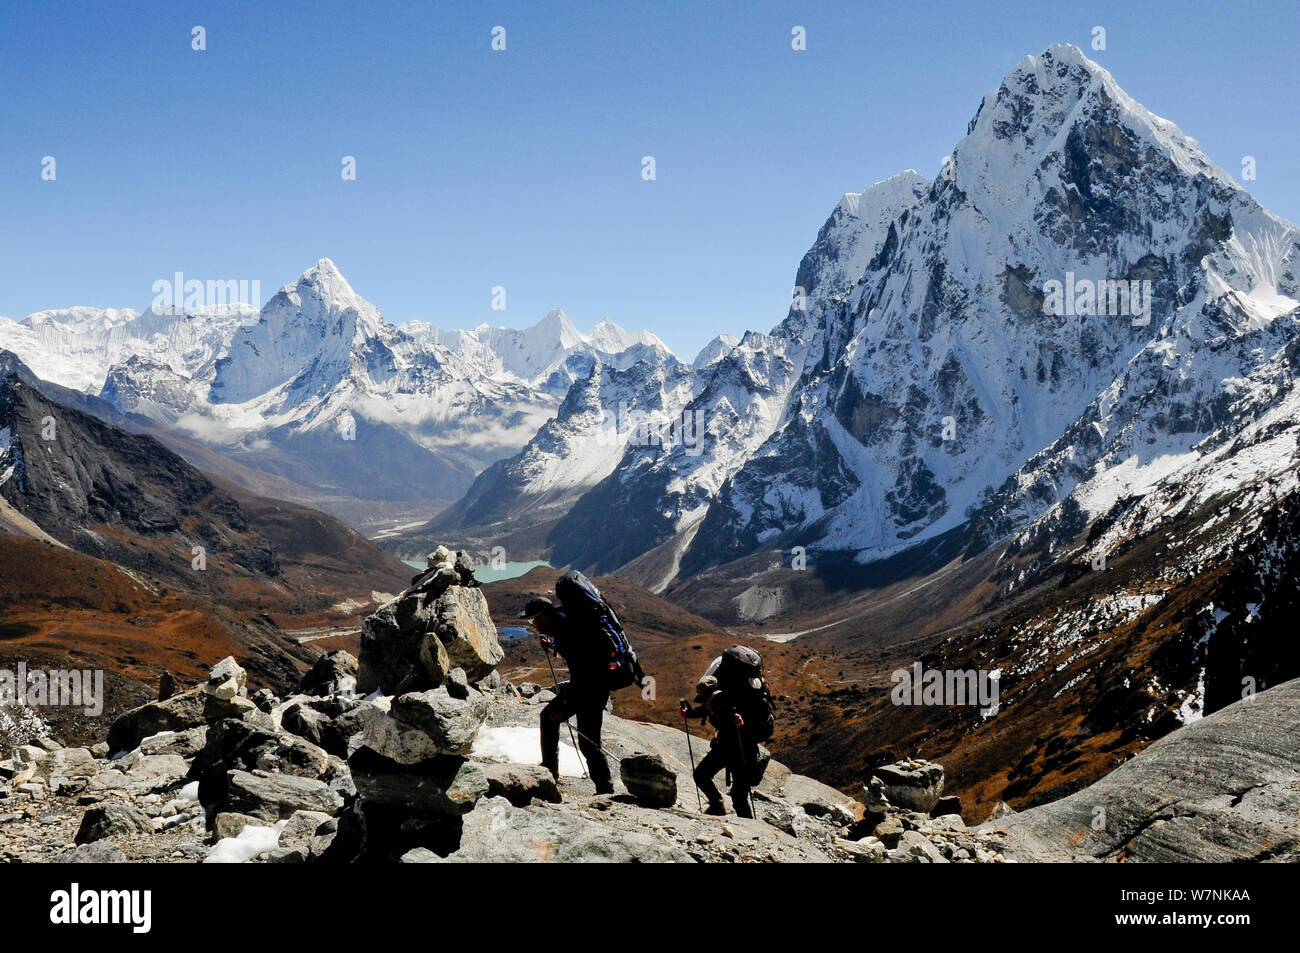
523, 168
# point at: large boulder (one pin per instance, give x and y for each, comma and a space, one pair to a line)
497, 832
451, 723
649, 780
274, 797
382, 734
332, 674
412, 642
185, 743
521, 783
94, 852
237, 745
443, 785
465, 627
178, 713
67, 763
915, 784
137, 774
331, 732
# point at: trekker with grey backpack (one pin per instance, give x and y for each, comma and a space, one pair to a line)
733, 697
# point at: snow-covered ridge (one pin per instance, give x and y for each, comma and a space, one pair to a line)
919, 382
320, 362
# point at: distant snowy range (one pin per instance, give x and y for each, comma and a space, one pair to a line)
1081, 313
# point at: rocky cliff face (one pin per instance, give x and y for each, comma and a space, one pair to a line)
953, 379
87, 483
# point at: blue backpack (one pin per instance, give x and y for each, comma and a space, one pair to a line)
584, 604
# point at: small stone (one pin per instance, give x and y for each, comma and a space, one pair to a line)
227, 680
920, 848
869, 850
1000, 810
97, 852
889, 831
948, 804
302, 827
229, 824
286, 855
464, 567
112, 819
264, 699
457, 683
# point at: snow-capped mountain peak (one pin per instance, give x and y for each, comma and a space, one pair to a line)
609, 337
1056, 104
923, 378
311, 334
319, 370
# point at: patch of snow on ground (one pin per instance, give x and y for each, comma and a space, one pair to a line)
252, 840
520, 744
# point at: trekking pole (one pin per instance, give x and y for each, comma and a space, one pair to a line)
555, 686
597, 744
699, 801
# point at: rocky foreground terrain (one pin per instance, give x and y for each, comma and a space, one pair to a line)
420, 752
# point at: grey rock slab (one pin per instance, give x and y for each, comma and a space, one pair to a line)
1224, 788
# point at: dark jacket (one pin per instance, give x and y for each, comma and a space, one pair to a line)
583, 648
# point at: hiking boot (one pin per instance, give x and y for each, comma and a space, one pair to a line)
716, 809
604, 787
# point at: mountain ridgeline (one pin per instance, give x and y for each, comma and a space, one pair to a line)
324, 398
923, 382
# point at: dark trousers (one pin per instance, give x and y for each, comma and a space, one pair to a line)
588, 705
737, 755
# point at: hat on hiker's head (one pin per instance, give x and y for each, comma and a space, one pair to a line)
537, 606
705, 688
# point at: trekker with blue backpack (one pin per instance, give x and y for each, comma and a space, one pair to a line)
586, 632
